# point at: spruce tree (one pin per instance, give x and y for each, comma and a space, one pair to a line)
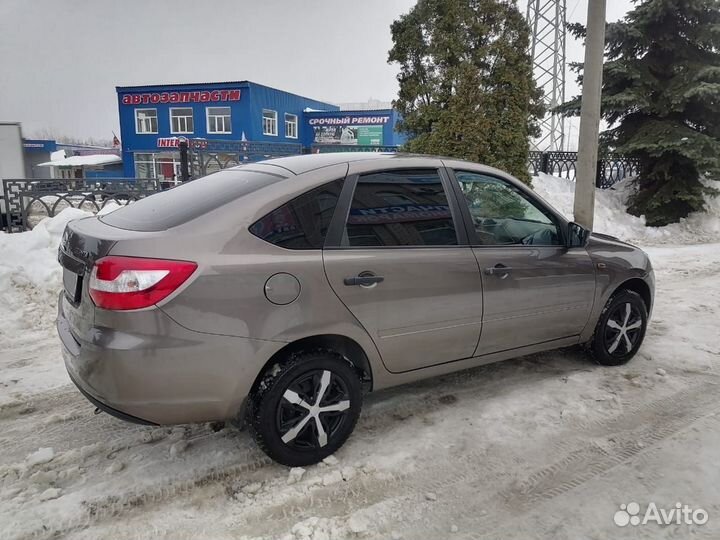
466, 83
661, 98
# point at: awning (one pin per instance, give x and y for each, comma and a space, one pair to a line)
83, 161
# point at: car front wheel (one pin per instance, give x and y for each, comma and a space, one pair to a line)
620, 329
305, 409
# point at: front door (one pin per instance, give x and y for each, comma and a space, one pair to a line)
535, 289
400, 271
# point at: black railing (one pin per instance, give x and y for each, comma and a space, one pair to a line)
24, 202
208, 155
327, 148
27, 201
611, 168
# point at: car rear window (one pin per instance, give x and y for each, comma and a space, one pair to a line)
188, 201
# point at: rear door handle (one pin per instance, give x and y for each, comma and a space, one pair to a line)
363, 280
499, 270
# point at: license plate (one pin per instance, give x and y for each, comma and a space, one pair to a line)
71, 281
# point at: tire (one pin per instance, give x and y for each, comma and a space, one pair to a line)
282, 414
620, 329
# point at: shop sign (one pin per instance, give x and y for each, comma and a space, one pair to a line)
352, 130
170, 142
194, 96
347, 120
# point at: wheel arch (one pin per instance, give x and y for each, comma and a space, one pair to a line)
639, 286
343, 345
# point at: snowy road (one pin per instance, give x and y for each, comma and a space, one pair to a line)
547, 446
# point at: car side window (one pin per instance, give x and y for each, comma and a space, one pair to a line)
303, 222
400, 208
503, 215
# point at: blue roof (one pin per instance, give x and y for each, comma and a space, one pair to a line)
149, 87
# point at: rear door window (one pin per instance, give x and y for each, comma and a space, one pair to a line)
303, 222
188, 201
400, 208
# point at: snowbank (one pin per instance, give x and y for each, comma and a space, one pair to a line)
612, 218
30, 277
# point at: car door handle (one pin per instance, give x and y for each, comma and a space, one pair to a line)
363, 280
499, 270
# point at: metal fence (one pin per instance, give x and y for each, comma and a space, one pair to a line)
27, 201
24, 202
611, 168
328, 148
208, 156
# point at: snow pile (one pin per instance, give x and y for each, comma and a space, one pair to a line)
30, 276
612, 218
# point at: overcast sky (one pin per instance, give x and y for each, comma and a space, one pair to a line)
61, 59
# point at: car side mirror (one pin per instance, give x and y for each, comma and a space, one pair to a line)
577, 235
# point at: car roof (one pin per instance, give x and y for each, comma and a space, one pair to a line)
310, 162
297, 165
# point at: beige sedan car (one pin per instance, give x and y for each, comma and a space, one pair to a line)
280, 292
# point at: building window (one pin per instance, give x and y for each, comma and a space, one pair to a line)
144, 166
146, 121
269, 122
218, 120
291, 126
181, 120
163, 166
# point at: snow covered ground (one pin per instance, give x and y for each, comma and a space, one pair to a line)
545, 446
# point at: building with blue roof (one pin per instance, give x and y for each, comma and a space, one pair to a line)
231, 122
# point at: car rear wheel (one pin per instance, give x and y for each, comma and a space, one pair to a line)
305, 409
620, 329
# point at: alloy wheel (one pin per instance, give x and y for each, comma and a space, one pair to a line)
622, 329
312, 410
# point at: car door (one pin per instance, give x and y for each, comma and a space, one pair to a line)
400, 262
535, 289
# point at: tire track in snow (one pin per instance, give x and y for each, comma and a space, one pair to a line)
382, 415
472, 466
577, 466
635, 431
582, 461
76, 425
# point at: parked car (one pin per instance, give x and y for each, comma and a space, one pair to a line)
281, 292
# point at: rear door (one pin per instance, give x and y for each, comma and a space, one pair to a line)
535, 289
400, 262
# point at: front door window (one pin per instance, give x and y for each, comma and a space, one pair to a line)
503, 215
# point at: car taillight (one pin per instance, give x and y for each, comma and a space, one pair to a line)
121, 283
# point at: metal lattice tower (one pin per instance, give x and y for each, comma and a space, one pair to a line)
547, 48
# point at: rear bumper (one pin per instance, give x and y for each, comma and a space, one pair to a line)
144, 367
109, 410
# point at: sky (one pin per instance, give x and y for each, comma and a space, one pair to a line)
60, 60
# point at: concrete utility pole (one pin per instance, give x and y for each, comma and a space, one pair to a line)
590, 114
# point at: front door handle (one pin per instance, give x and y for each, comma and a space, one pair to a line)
363, 280
499, 270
